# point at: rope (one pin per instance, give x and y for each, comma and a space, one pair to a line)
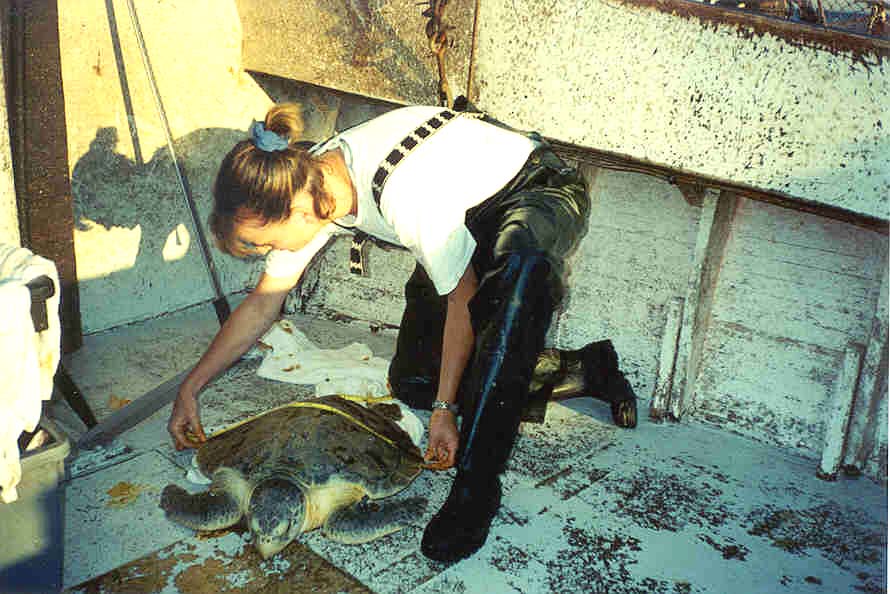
437, 34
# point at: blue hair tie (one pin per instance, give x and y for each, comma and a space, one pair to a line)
267, 140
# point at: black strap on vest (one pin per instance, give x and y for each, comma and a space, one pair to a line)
387, 166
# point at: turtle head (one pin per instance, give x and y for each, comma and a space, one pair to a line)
275, 514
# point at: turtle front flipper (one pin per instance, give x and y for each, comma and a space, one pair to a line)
368, 520
214, 509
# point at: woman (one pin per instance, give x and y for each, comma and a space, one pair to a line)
490, 216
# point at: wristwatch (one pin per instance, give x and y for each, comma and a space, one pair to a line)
447, 406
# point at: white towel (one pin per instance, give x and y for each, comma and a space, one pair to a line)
28, 359
291, 357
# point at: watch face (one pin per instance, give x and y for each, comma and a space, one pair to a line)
445, 406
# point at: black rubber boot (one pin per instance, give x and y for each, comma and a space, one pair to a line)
589, 371
511, 313
597, 364
604, 380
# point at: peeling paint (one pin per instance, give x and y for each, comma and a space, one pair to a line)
842, 535
660, 501
601, 563
224, 565
729, 550
759, 115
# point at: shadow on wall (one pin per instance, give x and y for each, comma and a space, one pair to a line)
136, 255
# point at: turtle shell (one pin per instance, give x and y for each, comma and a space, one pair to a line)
317, 442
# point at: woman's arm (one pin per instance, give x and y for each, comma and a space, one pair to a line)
457, 345
250, 320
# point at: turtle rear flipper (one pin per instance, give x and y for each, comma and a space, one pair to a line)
369, 520
217, 508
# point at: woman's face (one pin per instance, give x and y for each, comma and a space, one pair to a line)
290, 234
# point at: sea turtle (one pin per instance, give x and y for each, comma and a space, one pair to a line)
303, 466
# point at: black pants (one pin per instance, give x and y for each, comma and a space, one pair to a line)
543, 208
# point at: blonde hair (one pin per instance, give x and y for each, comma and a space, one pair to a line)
256, 184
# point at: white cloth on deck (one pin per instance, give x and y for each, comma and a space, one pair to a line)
353, 370
291, 357
28, 359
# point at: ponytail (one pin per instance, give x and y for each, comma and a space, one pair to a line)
259, 177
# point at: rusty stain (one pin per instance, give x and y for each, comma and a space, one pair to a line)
295, 569
117, 403
859, 47
374, 49
291, 367
206, 578
149, 574
124, 493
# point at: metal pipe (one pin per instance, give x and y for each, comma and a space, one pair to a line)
220, 304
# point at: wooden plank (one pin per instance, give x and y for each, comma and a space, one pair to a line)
134, 413
839, 412
718, 210
632, 261
793, 291
792, 380
9, 225
875, 463
41, 136
866, 418
661, 395
615, 162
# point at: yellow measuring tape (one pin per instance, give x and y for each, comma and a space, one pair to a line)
325, 407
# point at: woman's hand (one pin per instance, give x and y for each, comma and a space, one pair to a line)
442, 449
185, 422
250, 320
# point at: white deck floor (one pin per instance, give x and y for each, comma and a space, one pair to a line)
587, 507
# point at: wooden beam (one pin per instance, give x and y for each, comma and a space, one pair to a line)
661, 396
134, 413
40, 136
714, 227
686, 180
838, 418
9, 227
867, 49
866, 416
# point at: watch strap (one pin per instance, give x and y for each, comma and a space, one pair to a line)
446, 406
